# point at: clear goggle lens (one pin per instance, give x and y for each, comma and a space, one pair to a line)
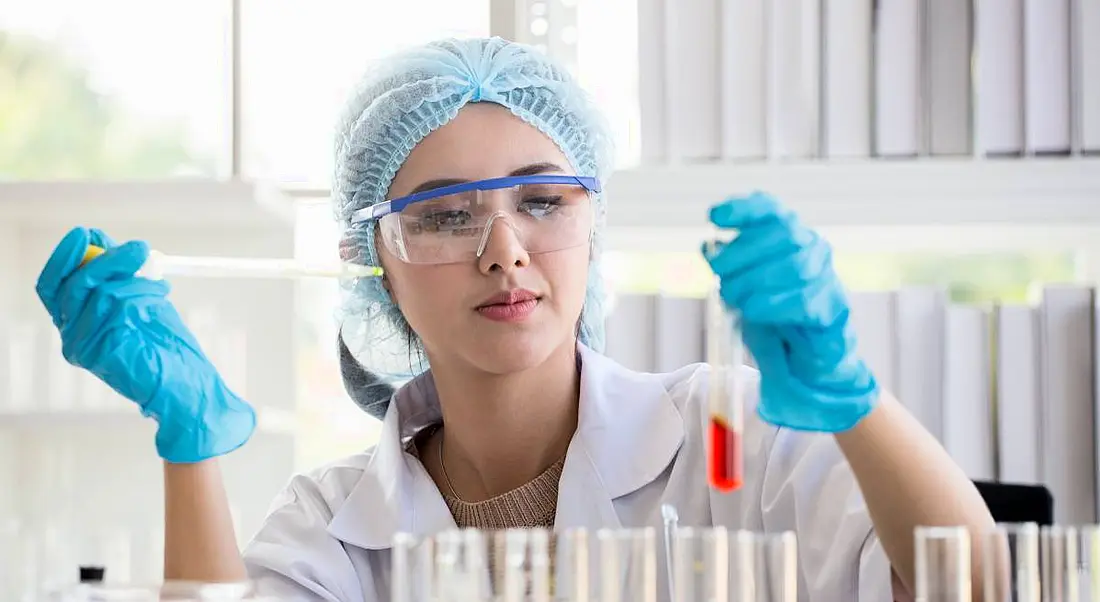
455, 228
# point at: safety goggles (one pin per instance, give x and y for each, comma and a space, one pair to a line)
452, 224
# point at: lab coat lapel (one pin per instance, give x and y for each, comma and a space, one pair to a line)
628, 432
395, 494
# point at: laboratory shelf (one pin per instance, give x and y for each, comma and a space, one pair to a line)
909, 192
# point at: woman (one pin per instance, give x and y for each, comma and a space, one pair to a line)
471, 170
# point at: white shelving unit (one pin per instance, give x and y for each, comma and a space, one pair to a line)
71, 449
878, 192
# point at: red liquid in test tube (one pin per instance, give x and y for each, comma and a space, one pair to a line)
726, 464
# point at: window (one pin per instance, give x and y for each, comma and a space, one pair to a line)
607, 67
113, 89
301, 60
330, 425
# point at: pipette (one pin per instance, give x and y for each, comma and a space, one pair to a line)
725, 355
159, 264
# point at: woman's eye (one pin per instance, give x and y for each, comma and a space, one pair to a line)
541, 206
444, 220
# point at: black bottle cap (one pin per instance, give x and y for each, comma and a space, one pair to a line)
92, 574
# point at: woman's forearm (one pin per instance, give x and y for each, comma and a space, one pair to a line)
909, 480
199, 540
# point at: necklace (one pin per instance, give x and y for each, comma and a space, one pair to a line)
443, 468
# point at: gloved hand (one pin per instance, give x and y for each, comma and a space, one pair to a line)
123, 329
778, 275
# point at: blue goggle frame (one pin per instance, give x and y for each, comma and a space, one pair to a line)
396, 205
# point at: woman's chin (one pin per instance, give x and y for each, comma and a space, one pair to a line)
508, 354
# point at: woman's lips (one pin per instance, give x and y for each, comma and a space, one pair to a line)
509, 312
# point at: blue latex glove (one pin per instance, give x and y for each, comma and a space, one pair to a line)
123, 329
778, 275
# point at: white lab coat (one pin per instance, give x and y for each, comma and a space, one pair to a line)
639, 444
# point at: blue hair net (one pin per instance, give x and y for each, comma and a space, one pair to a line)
399, 102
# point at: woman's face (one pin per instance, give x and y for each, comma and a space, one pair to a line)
451, 306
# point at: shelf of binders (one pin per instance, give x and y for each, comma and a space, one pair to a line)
906, 92
910, 192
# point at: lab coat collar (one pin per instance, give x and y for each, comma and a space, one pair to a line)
619, 409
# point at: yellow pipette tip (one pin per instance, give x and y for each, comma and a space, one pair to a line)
91, 253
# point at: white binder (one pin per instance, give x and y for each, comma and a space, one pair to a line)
847, 78
897, 77
947, 48
1047, 69
1019, 420
679, 335
744, 79
630, 332
920, 324
652, 83
1086, 17
794, 89
872, 315
968, 413
1068, 368
692, 53
999, 56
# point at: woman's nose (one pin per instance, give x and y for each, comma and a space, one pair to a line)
501, 246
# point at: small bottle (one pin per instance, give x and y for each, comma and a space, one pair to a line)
92, 574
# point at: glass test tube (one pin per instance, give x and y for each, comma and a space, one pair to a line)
942, 564
776, 567
725, 356
631, 553
713, 564
1088, 563
462, 568
609, 565
158, 265
414, 573
1011, 563
1058, 555
571, 563
522, 565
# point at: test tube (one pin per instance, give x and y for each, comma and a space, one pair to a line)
701, 565
539, 546
522, 565
404, 572
1088, 563
1058, 558
609, 565
627, 565
571, 582
725, 424
775, 567
159, 265
671, 520
1011, 563
942, 564
460, 567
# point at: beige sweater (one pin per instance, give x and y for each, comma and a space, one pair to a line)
530, 505
533, 504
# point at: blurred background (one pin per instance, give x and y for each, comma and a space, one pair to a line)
943, 147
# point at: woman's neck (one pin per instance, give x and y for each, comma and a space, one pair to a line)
501, 432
